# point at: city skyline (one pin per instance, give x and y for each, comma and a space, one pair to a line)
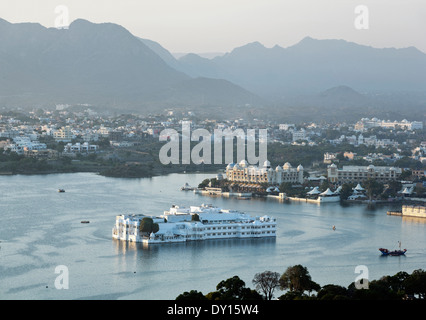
219, 26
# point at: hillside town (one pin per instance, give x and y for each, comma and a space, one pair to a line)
81, 139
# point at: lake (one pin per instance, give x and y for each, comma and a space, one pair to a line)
41, 229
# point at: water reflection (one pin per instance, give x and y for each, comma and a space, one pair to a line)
124, 247
413, 220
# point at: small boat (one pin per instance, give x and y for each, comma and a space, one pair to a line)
85, 221
61, 190
186, 187
387, 252
243, 198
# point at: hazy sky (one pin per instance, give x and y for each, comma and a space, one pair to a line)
221, 25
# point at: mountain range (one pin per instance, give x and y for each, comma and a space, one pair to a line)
105, 65
101, 64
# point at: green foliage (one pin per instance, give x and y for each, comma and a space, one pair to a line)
296, 280
346, 191
234, 289
393, 187
333, 292
204, 183
148, 226
373, 187
191, 295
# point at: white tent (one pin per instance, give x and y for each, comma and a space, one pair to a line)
314, 191
407, 191
359, 188
327, 192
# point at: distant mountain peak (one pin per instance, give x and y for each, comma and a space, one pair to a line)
341, 90
250, 46
308, 39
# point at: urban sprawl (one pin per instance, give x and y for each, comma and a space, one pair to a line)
67, 139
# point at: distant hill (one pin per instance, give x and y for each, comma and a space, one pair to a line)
105, 65
321, 79
101, 64
312, 66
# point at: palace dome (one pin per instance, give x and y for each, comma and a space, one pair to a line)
243, 163
266, 164
287, 166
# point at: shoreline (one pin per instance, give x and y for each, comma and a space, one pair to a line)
154, 173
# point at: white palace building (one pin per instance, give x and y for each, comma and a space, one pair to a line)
243, 173
179, 225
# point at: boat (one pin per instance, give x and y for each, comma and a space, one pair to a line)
243, 198
186, 187
61, 190
387, 252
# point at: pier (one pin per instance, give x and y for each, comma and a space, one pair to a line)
410, 211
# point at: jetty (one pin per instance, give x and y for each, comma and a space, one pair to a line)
416, 211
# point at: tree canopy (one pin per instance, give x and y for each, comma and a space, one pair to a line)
266, 282
233, 289
296, 281
148, 226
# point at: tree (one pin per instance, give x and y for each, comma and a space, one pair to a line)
148, 226
204, 183
393, 187
324, 185
333, 292
233, 289
297, 279
373, 187
346, 191
420, 190
415, 284
267, 282
286, 187
191, 295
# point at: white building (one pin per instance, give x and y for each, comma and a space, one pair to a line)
194, 223
286, 126
243, 173
22, 144
329, 157
299, 135
80, 148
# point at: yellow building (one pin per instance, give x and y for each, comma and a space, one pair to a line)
64, 134
355, 174
243, 173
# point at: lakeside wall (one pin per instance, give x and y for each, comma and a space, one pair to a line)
410, 211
